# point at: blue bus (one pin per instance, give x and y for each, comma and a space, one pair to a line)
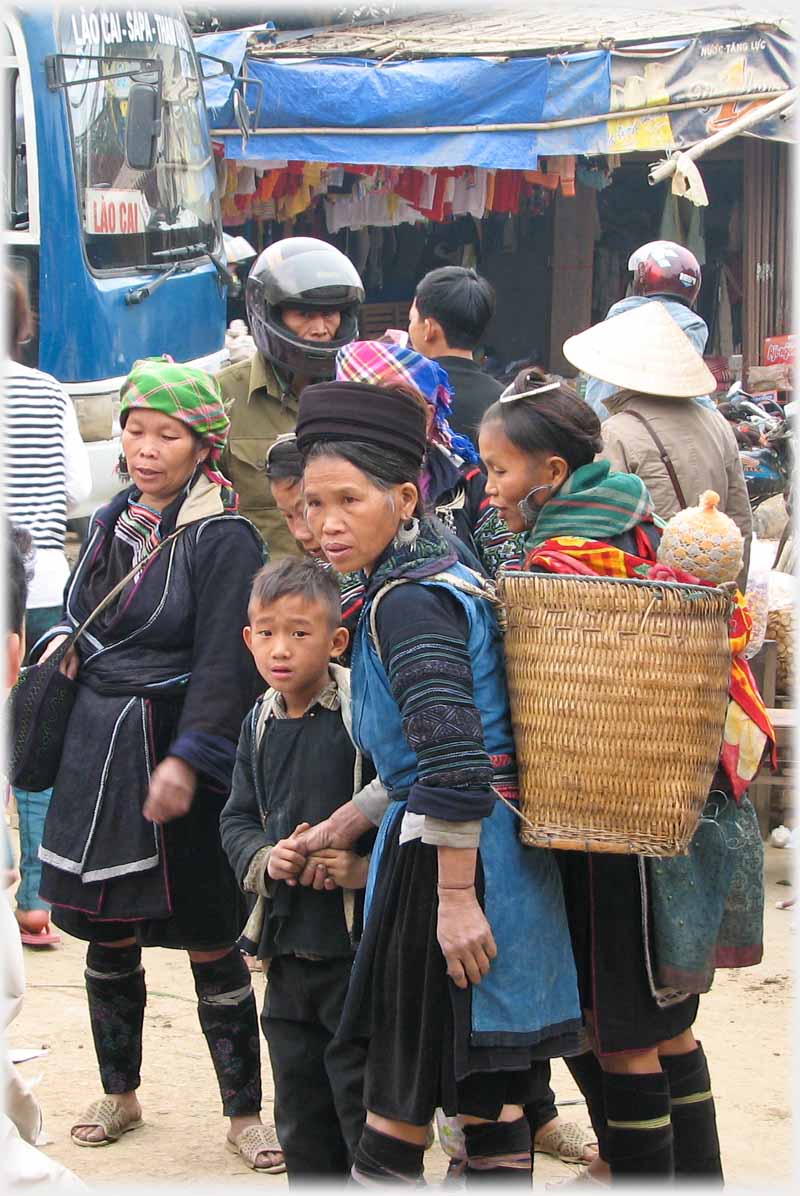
112, 208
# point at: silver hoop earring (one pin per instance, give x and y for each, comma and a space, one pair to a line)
406, 536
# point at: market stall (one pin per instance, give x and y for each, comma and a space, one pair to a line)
411, 144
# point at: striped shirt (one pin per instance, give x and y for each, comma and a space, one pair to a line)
46, 471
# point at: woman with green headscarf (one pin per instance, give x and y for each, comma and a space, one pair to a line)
131, 848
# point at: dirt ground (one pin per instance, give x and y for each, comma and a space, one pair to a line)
745, 1024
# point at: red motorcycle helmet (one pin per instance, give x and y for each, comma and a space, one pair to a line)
665, 268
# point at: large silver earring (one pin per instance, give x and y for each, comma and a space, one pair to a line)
407, 532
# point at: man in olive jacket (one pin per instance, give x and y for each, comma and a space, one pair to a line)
302, 297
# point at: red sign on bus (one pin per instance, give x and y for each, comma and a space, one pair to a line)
112, 211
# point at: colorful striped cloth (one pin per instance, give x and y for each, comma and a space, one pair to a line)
139, 526
383, 363
594, 503
184, 393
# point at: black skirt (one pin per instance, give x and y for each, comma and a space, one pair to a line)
606, 921
417, 1022
207, 909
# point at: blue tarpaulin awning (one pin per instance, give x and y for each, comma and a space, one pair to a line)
479, 95
473, 111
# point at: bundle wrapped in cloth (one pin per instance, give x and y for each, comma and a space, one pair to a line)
701, 544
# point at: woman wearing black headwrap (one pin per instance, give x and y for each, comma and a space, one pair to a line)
455, 999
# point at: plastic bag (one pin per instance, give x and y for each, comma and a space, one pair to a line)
757, 593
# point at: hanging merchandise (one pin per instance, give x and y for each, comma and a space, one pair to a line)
696, 234
368, 195
593, 174
564, 167
670, 227
724, 322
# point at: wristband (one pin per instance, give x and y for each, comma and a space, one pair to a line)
471, 885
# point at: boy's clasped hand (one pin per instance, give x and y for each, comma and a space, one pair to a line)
308, 857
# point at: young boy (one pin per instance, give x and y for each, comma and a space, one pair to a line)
296, 763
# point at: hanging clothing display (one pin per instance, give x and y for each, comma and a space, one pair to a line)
361, 196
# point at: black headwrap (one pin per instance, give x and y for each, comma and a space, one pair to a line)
360, 412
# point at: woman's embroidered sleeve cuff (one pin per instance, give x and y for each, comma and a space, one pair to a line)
451, 805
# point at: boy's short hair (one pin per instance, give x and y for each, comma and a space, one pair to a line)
20, 572
460, 300
283, 462
291, 576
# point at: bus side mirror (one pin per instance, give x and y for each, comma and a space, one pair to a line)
143, 127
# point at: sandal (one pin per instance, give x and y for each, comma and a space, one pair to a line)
35, 929
253, 1141
566, 1141
39, 938
108, 1116
585, 1179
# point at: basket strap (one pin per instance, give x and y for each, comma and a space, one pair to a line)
483, 589
514, 809
373, 611
664, 455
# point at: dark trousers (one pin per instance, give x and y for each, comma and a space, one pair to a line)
543, 1109
319, 1080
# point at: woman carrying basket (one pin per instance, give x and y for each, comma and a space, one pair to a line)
650, 1098
463, 978
131, 846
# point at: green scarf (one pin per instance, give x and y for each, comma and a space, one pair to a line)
594, 504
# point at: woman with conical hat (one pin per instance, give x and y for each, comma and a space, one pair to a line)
678, 448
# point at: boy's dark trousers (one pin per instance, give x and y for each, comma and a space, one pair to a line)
319, 1110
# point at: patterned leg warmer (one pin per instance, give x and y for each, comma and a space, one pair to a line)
227, 1011
117, 997
499, 1152
588, 1075
694, 1118
381, 1160
639, 1126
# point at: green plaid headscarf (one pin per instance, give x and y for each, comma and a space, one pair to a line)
185, 393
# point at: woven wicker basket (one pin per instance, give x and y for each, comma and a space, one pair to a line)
618, 698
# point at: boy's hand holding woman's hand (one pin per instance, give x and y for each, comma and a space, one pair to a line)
318, 857
287, 858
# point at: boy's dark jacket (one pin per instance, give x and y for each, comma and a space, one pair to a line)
289, 771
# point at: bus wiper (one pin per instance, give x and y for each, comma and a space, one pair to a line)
180, 258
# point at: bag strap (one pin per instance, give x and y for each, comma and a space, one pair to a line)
482, 589
664, 455
120, 586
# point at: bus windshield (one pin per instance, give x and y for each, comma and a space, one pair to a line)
129, 216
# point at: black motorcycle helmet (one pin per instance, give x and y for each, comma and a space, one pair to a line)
306, 273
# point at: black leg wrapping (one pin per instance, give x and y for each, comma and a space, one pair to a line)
227, 1011
498, 1152
588, 1075
381, 1159
117, 996
694, 1118
639, 1126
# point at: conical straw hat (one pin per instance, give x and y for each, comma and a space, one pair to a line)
643, 350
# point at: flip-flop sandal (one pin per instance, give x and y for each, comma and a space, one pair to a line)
565, 1141
106, 1115
41, 938
256, 1140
